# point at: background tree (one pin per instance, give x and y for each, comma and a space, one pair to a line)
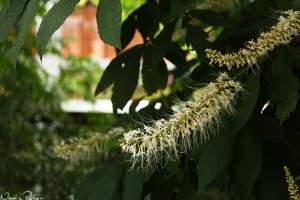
222, 143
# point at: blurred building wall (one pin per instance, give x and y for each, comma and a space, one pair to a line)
80, 35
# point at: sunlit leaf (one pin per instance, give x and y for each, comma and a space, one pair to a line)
52, 21
109, 14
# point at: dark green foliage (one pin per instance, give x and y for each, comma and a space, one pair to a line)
132, 185
31, 122
127, 30
249, 163
154, 76
238, 162
187, 191
243, 159
205, 16
286, 85
214, 158
101, 184
196, 37
146, 19
129, 74
161, 44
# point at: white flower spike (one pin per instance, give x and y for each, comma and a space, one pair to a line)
282, 33
197, 119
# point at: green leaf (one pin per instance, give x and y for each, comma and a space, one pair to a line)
172, 166
187, 191
240, 191
204, 73
271, 184
10, 16
127, 78
133, 106
100, 184
214, 158
161, 44
263, 5
245, 104
110, 73
284, 5
52, 21
176, 55
25, 24
286, 85
132, 186
165, 189
196, 37
296, 4
127, 30
267, 127
154, 77
109, 18
249, 165
145, 21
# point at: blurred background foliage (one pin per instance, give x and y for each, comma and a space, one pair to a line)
32, 122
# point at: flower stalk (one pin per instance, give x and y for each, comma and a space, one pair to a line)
282, 33
197, 119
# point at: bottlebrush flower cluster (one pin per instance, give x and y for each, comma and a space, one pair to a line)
292, 186
83, 149
282, 33
197, 119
